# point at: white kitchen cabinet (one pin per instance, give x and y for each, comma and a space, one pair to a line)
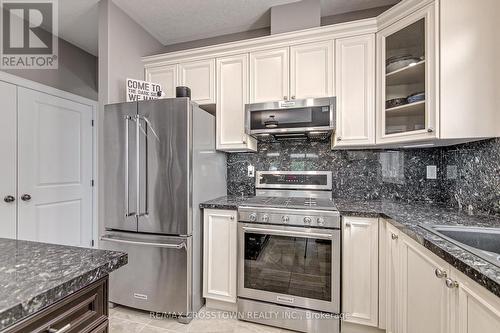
8, 167
311, 70
360, 270
416, 36
392, 277
269, 78
453, 81
355, 91
219, 255
166, 76
474, 309
423, 301
232, 95
199, 76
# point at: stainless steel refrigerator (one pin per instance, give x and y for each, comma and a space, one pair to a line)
160, 162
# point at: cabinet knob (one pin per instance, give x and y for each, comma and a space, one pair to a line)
348, 224
285, 98
26, 197
440, 273
231, 218
451, 283
293, 97
9, 199
430, 130
394, 236
339, 138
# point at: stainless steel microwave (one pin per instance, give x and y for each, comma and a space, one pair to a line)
310, 118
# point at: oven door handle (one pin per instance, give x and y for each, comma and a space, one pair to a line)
288, 233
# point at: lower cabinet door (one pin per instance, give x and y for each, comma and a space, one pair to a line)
360, 270
219, 255
424, 298
392, 278
474, 309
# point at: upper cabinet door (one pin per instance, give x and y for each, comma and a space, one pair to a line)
311, 70
199, 76
269, 75
407, 79
355, 90
166, 76
8, 148
232, 95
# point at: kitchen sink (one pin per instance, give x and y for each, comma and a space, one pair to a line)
483, 242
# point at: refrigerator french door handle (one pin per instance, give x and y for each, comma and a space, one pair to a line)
128, 213
146, 176
163, 245
138, 164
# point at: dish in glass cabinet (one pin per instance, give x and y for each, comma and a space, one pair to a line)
398, 62
392, 103
416, 97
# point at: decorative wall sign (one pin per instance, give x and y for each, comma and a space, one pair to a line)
138, 90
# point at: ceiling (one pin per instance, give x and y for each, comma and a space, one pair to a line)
79, 23
174, 21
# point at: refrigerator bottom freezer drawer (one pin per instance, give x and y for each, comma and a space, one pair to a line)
157, 276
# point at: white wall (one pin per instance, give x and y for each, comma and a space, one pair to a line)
122, 43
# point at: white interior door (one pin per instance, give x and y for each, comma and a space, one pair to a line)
9, 158
54, 169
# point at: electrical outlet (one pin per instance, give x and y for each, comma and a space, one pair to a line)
431, 172
251, 171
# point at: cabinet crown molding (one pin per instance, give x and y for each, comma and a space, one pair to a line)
346, 29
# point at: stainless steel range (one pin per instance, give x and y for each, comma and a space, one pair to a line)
289, 252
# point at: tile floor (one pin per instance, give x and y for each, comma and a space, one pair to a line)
127, 320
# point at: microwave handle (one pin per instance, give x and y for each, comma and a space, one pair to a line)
288, 233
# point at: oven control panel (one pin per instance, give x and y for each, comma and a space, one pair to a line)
295, 217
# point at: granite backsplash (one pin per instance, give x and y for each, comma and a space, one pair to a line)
467, 174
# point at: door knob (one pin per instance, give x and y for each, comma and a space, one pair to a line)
9, 199
26, 197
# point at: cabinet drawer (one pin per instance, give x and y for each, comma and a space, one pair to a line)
103, 328
85, 311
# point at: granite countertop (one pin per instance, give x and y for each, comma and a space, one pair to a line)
407, 217
35, 275
225, 202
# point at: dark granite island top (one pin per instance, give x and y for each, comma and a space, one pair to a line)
35, 275
408, 217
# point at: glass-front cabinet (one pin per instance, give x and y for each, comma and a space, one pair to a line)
407, 79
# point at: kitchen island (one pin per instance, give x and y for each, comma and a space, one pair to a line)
48, 287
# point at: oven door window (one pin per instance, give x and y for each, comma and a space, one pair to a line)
288, 265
